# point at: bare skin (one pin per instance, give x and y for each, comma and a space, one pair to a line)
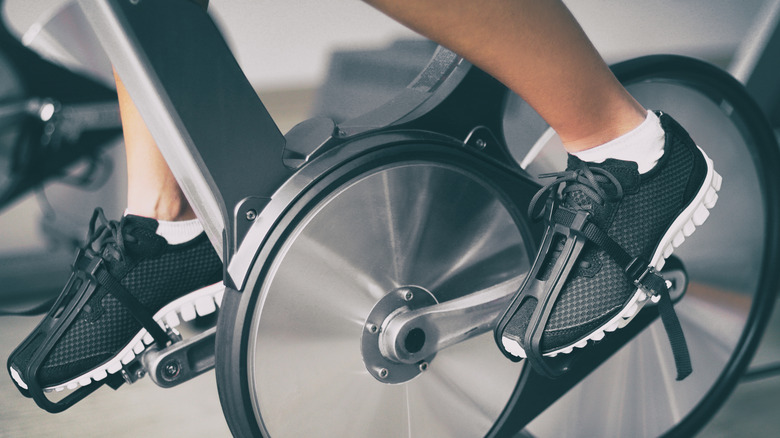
152, 191
535, 47
538, 50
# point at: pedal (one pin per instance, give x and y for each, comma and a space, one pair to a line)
676, 277
176, 363
134, 371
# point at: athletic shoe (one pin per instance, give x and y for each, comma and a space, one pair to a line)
128, 289
609, 229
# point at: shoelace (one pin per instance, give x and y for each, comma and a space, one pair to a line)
107, 233
114, 234
590, 181
582, 178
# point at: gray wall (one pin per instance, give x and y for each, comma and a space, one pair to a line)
285, 44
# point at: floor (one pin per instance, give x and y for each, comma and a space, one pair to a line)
193, 409
141, 409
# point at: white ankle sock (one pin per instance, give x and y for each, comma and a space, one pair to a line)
176, 232
643, 145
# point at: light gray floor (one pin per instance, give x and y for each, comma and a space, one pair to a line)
193, 409
142, 409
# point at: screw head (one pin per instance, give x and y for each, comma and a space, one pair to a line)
423, 366
251, 215
408, 295
480, 143
139, 374
171, 370
372, 328
383, 373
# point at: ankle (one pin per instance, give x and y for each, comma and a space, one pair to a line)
643, 145
604, 129
174, 231
177, 210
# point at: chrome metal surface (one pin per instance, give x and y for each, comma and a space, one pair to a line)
159, 115
634, 393
442, 325
381, 359
180, 361
414, 223
63, 35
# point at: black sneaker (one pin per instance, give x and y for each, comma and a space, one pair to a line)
609, 229
128, 288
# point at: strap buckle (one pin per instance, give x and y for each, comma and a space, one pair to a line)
640, 282
644, 276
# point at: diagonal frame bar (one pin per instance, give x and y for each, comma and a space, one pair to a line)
213, 131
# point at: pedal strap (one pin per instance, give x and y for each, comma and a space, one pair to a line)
639, 272
544, 288
136, 308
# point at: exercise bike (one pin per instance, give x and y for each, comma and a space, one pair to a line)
366, 261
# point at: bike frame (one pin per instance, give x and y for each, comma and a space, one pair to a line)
190, 124
171, 56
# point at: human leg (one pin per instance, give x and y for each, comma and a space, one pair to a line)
635, 180
537, 49
147, 270
152, 191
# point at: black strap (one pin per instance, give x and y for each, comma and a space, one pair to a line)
682, 358
640, 273
136, 308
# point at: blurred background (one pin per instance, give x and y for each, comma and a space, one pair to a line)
304, 58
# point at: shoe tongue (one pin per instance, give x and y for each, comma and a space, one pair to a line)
140, 222
143, 231
626, 172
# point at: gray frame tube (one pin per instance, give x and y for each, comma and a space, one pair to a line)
172, 59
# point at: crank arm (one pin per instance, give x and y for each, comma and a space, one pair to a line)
411, 336
180, 361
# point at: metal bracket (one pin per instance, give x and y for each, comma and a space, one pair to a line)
442, 325
181, 361
306, 139
481, 138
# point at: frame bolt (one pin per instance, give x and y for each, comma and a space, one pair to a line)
480, 143
423, 366
251, 215
372, 328
408, 295
383, 373
171, 370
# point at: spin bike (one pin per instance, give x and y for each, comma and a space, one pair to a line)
366, 261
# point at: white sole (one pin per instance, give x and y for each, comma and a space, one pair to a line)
694, 215
201, 302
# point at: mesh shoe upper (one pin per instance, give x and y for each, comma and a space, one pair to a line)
154, 272
597, 288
